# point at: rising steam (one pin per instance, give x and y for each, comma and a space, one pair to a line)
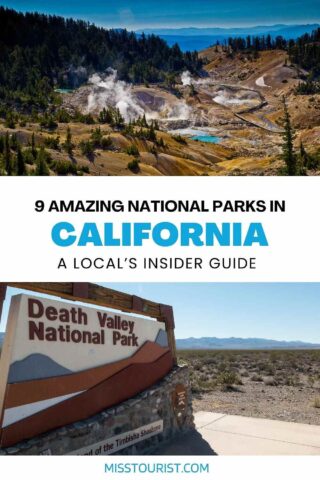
186, 78
108, 91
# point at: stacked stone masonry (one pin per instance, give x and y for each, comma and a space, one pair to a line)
149, 406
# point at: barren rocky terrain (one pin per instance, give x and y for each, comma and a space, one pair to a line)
280, 385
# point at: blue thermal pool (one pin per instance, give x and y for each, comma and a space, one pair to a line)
206, 138
63, 90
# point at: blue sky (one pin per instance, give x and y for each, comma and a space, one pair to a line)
175, 13
280, 311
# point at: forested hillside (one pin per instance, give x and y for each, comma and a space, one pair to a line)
39, 52
303, 52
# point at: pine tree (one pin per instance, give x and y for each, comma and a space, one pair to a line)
105, 116
33, 147
42, 167
10, 120
20, 163
152, 134
288, 153
68, 145
118, 120
144, 122
7, 157
303, 155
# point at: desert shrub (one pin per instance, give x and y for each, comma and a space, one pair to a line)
311, 381
271, 382
291, 381
267, 368
201, 386
223, 366
316, 402
256, 378
228, 379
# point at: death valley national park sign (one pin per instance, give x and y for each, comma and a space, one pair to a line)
62, 362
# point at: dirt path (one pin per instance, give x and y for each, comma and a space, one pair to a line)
257, 120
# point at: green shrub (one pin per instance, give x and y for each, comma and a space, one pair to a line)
106, 143
84, 169
96, 137
10, 121
134, 165
316, 402
62, 116
63, 167
52, 142
48, 122
256, 378
180, 139
228, 378
132, 150
87, 148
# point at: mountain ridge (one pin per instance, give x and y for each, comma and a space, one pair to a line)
236, 343
257, 29
200, 38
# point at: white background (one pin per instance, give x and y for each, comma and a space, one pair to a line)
221, 468
27, 252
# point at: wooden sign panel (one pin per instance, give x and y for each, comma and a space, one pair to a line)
62, 362
180, 402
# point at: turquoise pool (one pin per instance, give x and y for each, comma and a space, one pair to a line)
63, 90
206, 138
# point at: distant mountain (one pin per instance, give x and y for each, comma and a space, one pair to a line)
213, 343
193, 38
1, 338
35, 366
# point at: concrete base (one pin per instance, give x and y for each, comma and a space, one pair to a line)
220, 434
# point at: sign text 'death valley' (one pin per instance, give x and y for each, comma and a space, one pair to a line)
66, 318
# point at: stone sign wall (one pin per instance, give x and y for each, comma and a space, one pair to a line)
136, 426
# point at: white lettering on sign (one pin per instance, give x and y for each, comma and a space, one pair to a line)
121, 441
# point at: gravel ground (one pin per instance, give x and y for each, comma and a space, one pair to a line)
290, 404
280, 385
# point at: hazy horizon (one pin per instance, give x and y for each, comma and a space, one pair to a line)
177, 13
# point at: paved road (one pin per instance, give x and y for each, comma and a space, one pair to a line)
220, 434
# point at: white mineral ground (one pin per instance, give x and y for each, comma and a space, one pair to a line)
261, 83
